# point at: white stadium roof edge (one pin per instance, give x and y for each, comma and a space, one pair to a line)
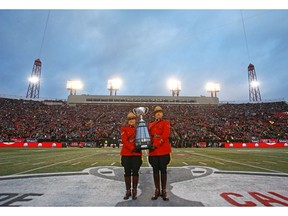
98, 99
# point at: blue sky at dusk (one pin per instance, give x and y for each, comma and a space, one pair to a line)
145, 48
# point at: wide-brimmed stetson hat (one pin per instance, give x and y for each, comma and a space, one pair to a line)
131, 115
157, 109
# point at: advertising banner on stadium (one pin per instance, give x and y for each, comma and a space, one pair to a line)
31, 144
255, 145
268, 140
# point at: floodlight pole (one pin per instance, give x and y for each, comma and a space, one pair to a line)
175, 92
254, 92
34, 87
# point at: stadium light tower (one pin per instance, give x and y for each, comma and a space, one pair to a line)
213, 88
254, 92
34, 80
114, 85
174, 87
73, 86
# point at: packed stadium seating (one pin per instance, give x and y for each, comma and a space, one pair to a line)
101, 123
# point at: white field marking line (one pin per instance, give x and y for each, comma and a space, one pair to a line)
283, 161
21, 163
94, 163
55, 155
75, 163
8, 163
22, 155
189, 151
112, 163
54, 164
39, 163
203, 163
185, 163
252, 151
229, 161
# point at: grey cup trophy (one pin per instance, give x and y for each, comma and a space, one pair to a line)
143, 140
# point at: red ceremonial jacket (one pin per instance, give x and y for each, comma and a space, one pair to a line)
128, 135
159, 131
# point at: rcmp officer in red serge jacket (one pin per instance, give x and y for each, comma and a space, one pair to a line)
131, 159
159, 155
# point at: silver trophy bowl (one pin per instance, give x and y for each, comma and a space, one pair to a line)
143, 140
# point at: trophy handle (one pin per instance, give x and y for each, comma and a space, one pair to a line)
146, 110
134, 111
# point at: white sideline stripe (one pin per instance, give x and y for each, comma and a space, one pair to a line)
94, 163
230, 161
203, 163
112, 163
219, 162
54, 164
76, 163
185, 163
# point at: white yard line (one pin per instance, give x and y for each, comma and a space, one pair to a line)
185, 163
230, 161
283, 161
54, 164
39, 163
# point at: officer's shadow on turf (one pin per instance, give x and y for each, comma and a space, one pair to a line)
146, 185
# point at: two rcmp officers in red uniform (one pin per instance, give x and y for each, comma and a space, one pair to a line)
159, 154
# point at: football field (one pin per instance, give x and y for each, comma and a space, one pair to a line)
14, 161
207, 177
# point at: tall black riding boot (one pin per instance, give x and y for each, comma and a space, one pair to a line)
128, 187
135, 185
156, 178
163, 184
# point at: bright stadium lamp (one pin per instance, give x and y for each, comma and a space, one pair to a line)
114, 85
213, 88
73, 86
254, 84
174, 86
34, 79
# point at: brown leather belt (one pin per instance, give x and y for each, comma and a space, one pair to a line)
156, 135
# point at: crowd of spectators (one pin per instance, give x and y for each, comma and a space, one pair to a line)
190, 124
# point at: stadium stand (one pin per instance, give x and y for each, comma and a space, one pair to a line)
99, 124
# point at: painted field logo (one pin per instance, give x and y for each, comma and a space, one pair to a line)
237, 199
9, 199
